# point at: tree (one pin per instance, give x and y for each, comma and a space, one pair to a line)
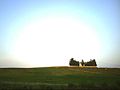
73, 62
91, 63
95, 64
82, 63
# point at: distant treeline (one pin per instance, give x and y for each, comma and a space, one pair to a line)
73, 62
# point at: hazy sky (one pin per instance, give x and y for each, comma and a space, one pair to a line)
50, 32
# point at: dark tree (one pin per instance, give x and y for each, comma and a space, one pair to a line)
94, 62
91, 63
82, 63
73, 62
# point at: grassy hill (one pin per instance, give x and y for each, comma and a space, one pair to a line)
60, 78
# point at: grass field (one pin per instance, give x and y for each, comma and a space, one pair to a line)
60, 78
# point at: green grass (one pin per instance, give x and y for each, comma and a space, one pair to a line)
62, 78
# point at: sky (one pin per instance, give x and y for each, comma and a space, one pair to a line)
38, 33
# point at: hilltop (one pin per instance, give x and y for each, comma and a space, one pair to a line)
62, 78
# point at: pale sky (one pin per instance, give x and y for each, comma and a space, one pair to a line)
50, 32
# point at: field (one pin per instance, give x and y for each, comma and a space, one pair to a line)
60, 78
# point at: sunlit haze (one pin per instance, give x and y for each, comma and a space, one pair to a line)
49, 32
